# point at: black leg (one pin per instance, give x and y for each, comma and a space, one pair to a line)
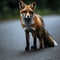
34, 40
27, 40
41, 40
27, 45
41, 43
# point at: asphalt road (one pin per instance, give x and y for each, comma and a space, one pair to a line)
12, 41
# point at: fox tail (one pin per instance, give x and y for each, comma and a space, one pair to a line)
49, 40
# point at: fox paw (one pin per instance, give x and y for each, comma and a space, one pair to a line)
41, 47
26, 49
33, 48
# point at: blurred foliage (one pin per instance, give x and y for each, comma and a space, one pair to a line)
10, 8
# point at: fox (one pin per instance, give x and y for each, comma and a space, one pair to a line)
34, 24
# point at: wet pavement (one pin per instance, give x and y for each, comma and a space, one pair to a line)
12, 41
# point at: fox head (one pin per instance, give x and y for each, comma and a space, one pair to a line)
27, 11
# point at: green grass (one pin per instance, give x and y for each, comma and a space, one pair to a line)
47, 12
7, 15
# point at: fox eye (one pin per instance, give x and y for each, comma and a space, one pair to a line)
31, 12
25, 11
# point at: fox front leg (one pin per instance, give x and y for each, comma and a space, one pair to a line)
27, 40
34, 40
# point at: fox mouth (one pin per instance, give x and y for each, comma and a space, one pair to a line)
27, 20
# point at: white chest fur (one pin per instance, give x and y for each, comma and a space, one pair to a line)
28, 24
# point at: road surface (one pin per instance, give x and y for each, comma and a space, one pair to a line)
12, 41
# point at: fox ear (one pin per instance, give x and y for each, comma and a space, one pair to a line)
21, 4
33, 5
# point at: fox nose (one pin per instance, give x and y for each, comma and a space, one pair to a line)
27, 16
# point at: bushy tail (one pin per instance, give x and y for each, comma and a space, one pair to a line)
48, 40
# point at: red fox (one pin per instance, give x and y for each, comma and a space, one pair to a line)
34, 23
